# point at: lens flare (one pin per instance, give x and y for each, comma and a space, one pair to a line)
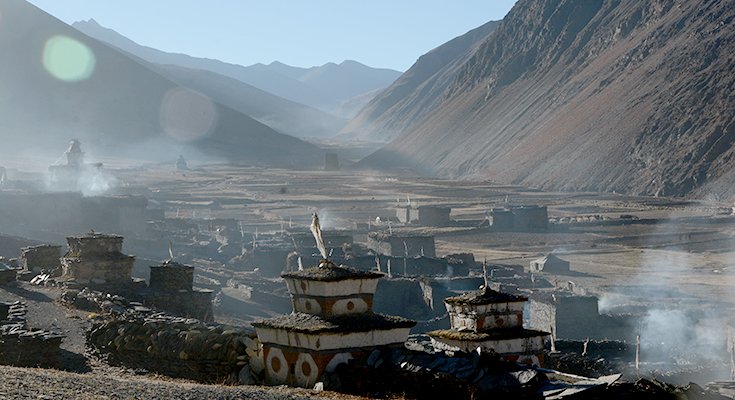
68, 59
187, 115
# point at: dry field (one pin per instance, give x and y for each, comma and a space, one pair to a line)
681, 247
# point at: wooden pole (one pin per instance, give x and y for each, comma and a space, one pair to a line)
637, 351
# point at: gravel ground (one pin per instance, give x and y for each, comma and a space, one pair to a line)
33, 383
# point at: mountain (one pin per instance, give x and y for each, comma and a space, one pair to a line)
324, 87
601, 95
60, 84
280, 114
417, 92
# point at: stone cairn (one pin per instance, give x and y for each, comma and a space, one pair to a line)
492, 322
97, 259
24, 347
171, 289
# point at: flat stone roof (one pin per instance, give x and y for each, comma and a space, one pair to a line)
172, 264
308, 323
327, 271
493, 334
484, 296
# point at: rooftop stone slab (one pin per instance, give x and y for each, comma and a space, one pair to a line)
501, 341
307, 331
484, 296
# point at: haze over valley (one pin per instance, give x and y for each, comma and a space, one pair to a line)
337, 200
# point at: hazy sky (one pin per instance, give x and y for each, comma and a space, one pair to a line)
379, 33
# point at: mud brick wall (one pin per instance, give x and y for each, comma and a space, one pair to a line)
179, 347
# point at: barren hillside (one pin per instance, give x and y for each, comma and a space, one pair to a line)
61, 84
417, 92
589, 95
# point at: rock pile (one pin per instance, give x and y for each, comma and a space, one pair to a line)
24, 347
419, 374
179, 347
96, 301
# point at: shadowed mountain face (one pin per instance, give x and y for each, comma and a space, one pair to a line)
417, 92
325, 87
589, 95
56, 83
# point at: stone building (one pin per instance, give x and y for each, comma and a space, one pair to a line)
502, 219
402, 245
43, 257
332, 322
576, 317
550, 264
520, 218
493, 322
331, 162
173, 290
424, 215
97, 258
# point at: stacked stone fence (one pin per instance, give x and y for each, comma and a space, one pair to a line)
137, 337
24, 347
179, 347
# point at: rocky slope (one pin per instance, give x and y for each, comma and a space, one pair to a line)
60, 84
323, 87
600, 95
417, 92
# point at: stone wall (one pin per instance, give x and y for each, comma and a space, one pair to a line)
38, 258
577, 318
7, 274
179, 347
116, 270
24, 347
434, 216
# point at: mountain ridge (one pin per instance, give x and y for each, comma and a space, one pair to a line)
414, 94
116, 105
292, 83
598, 95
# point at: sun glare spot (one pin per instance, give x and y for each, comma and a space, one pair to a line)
187, 115
68, 59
